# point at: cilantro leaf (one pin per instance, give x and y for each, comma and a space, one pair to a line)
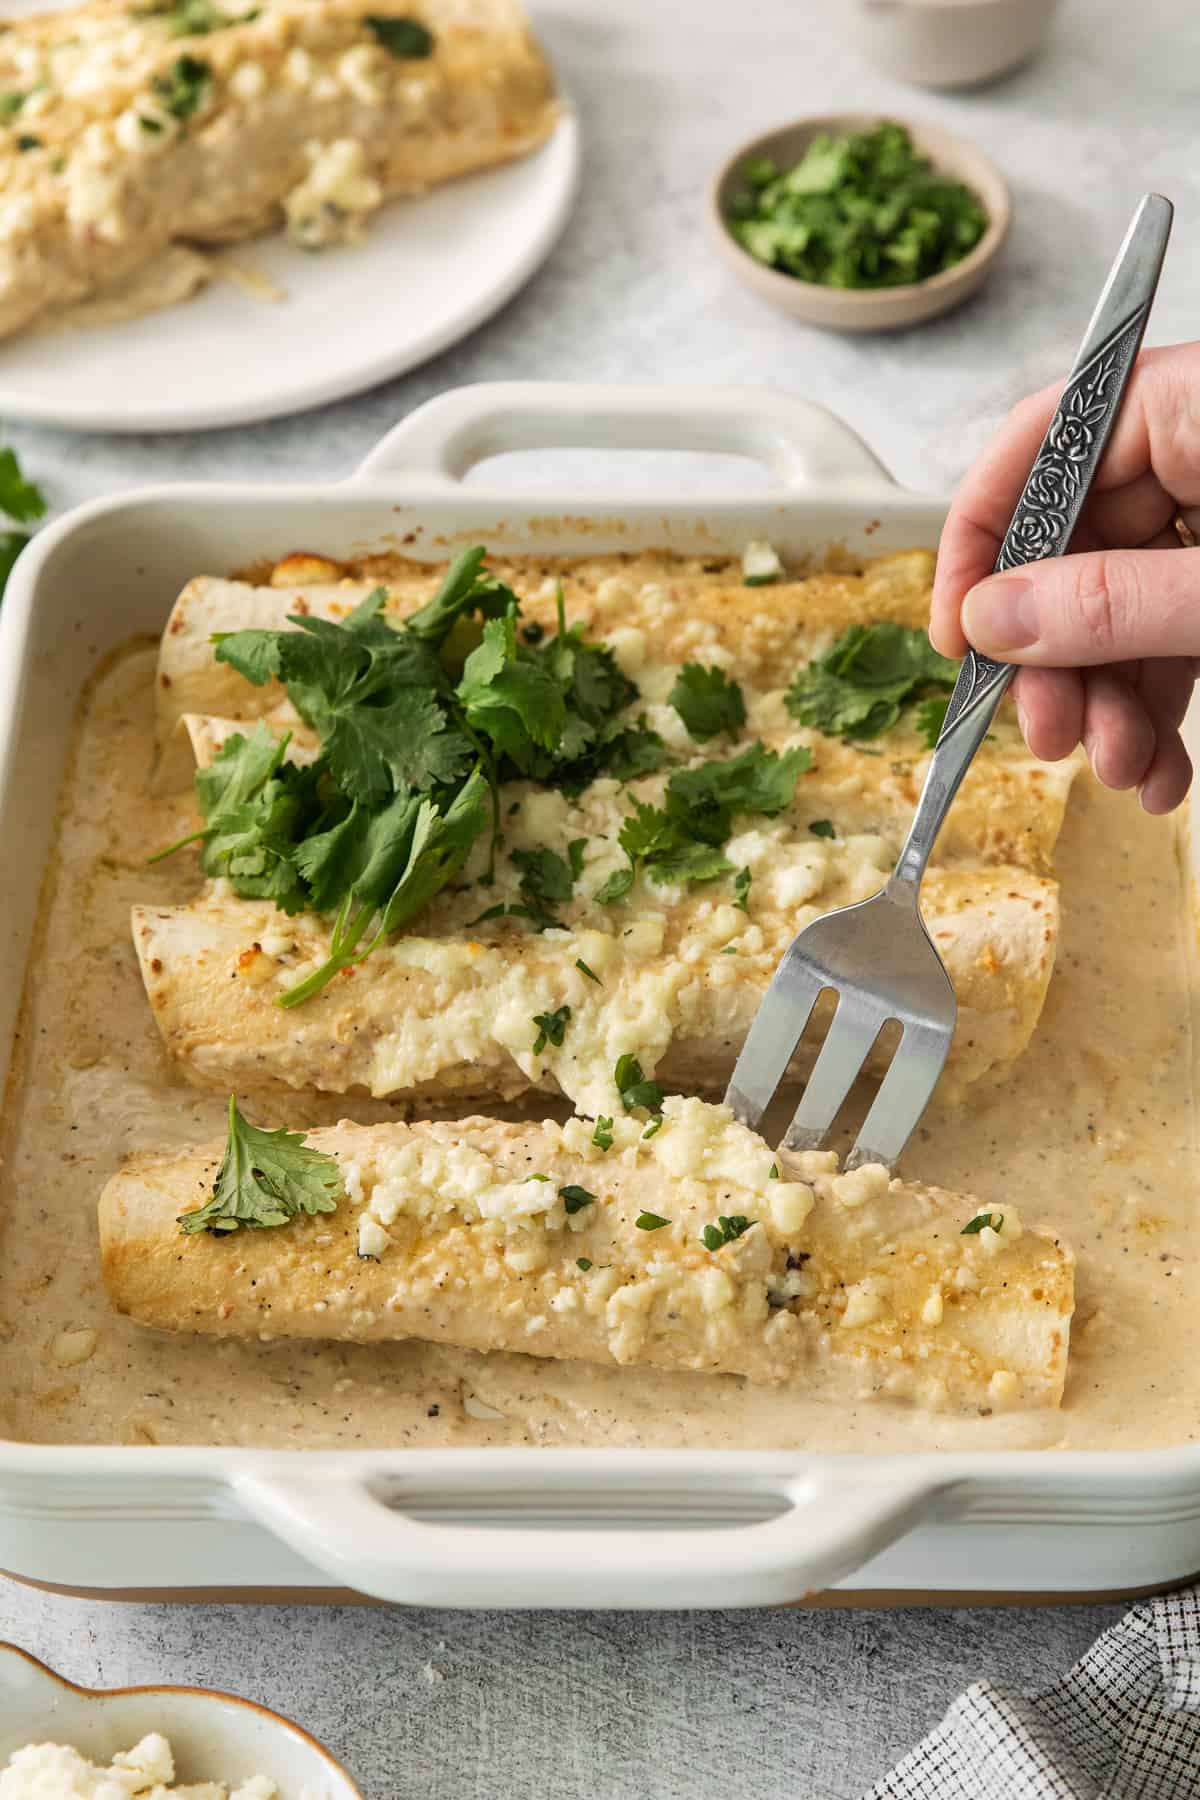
708, 798
510, 697
184, 88
707, 701
19, 499
615, 887
433, 853
256, 807
602, 1136
725, 1231
822, 828
981, 1222
648, 1221
575, 1198
552, 1028
466, 588
266, 1178
402, 37
590, 973
547, 881
634, 1088
860, 686
741, 889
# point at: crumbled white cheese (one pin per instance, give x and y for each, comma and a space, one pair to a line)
58, 1772
865, 1301
858, 1186
330, 205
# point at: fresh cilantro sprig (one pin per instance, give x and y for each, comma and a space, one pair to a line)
681, 841
266, 1178
871, 673
418, 725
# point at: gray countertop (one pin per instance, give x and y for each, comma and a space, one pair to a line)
785, 1702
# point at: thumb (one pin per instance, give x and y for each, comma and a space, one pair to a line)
1108, 606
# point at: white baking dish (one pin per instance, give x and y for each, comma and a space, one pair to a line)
533, 1527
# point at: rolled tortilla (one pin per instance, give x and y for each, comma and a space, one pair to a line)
446, 1234
440, 1018
657, 611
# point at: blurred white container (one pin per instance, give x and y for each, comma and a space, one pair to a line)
946, 43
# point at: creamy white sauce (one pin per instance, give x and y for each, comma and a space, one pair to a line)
1092, 1132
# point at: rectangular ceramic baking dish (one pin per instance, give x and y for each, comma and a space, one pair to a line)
531, 1527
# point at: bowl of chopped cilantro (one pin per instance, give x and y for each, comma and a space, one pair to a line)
860, 224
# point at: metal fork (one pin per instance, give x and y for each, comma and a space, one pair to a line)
877, 956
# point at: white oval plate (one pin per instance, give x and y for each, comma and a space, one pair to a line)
215, 1737
428, 272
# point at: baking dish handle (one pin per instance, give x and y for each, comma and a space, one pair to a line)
829, 1525
802, 443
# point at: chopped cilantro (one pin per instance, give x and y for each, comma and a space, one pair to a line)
615, 887
725, 1231
633, 1087
707, 701
584, 1263
551, 1028
648, 1221
11, 103
191, 18
653, 1128
931, 716
741, 889
266, 1178
584, 970
980, 1223
575, 1198
773, 1172
545, 1178
859, 688
822, 828
184, 88
26, 141
403, 37
864, 209
547, 881
602, 1136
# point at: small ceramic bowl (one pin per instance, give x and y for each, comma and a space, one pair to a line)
946, 43
215, 1737
864, 309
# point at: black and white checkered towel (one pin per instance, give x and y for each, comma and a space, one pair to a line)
1123, 1725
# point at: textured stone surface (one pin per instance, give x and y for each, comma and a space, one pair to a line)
782, 1703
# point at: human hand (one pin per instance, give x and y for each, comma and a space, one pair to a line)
1109, 636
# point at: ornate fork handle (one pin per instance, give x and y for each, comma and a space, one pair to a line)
1048, 510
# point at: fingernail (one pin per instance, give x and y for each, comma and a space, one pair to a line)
1001, 614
